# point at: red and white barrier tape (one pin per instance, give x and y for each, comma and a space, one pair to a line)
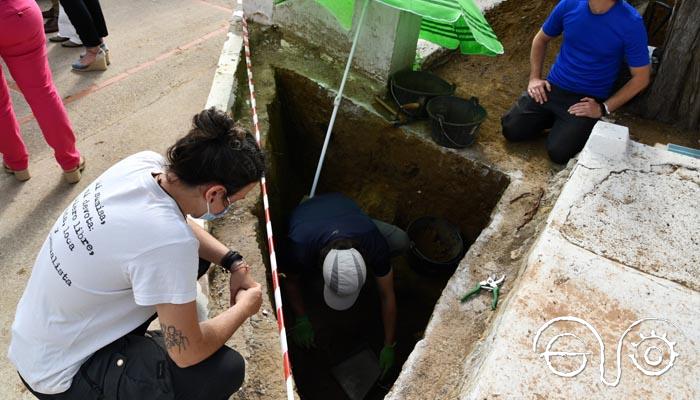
268, 222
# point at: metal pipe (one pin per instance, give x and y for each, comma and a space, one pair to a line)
338, 98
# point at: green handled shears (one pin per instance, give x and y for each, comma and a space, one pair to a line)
491, 284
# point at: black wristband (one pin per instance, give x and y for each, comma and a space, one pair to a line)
229, 259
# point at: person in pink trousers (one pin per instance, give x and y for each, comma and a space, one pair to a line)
23, 49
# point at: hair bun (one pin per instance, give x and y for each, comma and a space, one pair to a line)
218, 150
213, 124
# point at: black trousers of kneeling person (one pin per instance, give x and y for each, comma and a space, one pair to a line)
87, 19
527, 119
137, 367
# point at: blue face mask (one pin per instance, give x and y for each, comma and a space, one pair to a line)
208, 216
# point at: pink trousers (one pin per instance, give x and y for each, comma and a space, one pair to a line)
23, 48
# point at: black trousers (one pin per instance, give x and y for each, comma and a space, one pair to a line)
137, 367
527, 119
86, 16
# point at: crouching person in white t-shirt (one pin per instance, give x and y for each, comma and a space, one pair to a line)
124, 251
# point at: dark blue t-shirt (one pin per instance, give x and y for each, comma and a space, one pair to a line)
325, 218
595, 45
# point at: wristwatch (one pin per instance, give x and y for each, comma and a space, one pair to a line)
604, 110
231, 259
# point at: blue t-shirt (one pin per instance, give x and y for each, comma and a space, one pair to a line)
595, 45
324, 218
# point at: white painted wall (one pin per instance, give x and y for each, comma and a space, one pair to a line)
259, 11
387, 41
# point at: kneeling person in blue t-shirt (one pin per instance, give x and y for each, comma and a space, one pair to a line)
330, 235
598, 36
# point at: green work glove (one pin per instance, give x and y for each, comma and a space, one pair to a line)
387, 358
303, 332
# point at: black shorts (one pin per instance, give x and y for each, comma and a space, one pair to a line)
527, 119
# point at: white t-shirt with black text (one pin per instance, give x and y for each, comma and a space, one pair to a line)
121, 247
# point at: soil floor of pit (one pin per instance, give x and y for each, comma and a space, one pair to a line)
497, 82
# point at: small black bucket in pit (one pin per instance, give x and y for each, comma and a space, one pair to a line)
455, 121
411, 90
436, 246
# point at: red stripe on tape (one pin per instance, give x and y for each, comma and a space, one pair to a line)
287, 366
280, 320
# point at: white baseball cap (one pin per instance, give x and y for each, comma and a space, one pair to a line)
344, 273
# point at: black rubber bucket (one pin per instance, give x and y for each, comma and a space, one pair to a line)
455, 121
411, 90
436, 246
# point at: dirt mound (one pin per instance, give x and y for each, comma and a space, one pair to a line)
497, 81
516, 23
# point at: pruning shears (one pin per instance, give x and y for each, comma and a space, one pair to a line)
491, 284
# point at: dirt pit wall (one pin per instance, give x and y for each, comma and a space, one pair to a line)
395, 176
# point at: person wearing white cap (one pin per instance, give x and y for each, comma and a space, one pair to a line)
330, 234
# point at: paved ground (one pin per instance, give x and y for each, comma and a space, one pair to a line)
164, 54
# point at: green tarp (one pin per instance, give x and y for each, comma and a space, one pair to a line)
454, 24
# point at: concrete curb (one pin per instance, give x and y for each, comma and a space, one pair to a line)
223, 88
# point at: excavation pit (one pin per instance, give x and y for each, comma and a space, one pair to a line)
450, 360
395, 175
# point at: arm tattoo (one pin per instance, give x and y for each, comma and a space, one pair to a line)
174, 338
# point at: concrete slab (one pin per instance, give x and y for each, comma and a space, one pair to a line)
639, 210
565, 280
644, 219
622, 231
